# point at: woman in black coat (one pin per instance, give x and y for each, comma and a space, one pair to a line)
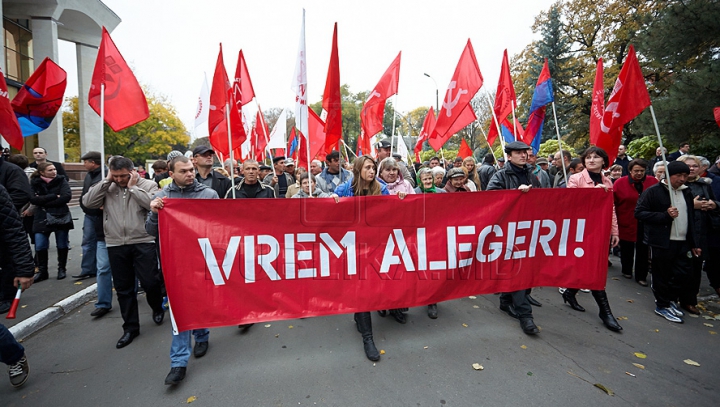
51, 194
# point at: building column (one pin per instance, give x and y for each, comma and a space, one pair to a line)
45, 44
90, 125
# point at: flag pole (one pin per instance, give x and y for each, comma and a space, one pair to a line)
557, 130
102, 130
267, 141
662, 151
347, 147
392, 137
230, 148
485, 136
512, 103
497, 124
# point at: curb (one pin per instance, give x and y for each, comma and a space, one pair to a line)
45, 317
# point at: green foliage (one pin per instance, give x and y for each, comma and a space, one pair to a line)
71, 127
644, 147
550, 147
448, 154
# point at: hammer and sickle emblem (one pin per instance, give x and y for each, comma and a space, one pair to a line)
372, 95
450, 103
611, 107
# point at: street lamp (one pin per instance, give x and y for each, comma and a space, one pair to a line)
437, 100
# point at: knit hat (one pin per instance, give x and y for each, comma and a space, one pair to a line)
173, 154
677, 167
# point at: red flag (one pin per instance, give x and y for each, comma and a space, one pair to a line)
9, 127
598, 104
427, 128
332, 100
716, 111
465, 83
125, 103
465, 150
243, 91
220, 98
371, 117
316, 130
40, 98
504, 98
627, 100
262, 133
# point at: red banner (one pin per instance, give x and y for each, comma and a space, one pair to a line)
229, 262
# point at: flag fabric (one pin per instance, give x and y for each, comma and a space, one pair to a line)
402, 148
509, 131
456, 111
125, 103
427, 128
627, 100
464, 150
504, 98
316, 136
542, 96
242, 85
363, 145
221, 97
371, 116
716, 112
40, 98
292, 147
9, 127
598, 104
203, 108
299, 85
262, 134
279, 132
332, 100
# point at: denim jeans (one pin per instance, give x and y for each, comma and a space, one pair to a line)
181, 344
104, 277
10, 350
88, 265
42, 240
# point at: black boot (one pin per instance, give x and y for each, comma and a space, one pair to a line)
364, 326
605, 314
569, 297
398, 315
62, 262
42, 259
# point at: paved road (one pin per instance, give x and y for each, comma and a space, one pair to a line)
320, 361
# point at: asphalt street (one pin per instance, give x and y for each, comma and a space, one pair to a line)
320, 361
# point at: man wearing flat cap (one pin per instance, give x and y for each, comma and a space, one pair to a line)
517, 174
282, 181
670, 233
290, 168
88, 266
203, 157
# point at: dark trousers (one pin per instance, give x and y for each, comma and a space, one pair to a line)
712, 266
637, 251
691, 288
671, 271
519, 301
127, 263
7, 279
10, 350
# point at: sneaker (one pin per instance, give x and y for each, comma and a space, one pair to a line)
668, 314
19, 372
165, 304
561, 290
676, 310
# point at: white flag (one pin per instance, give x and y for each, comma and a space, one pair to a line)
299, 84
279, 132
202, 111
402, 148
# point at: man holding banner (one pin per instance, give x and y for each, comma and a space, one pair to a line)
517, 175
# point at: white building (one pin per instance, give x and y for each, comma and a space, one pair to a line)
31, 30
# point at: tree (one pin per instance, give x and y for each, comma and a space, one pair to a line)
71, 127
153, 138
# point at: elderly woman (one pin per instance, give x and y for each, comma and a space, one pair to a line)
390, 175
52, 215
615, 172
626, 192
304, 181
659, 171
363, 183
425, 182
438, 176
706, 206
473, 180
595, 159
457, 180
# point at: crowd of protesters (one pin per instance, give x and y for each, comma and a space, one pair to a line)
665, 222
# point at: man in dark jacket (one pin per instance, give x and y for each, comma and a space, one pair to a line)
15, 258
670, 232
517, 174
486, 170
251, 187
40, 155
88, 266
203, 160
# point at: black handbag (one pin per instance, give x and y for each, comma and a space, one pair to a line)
57, 220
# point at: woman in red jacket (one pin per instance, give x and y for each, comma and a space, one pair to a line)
595, 159
626, 192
